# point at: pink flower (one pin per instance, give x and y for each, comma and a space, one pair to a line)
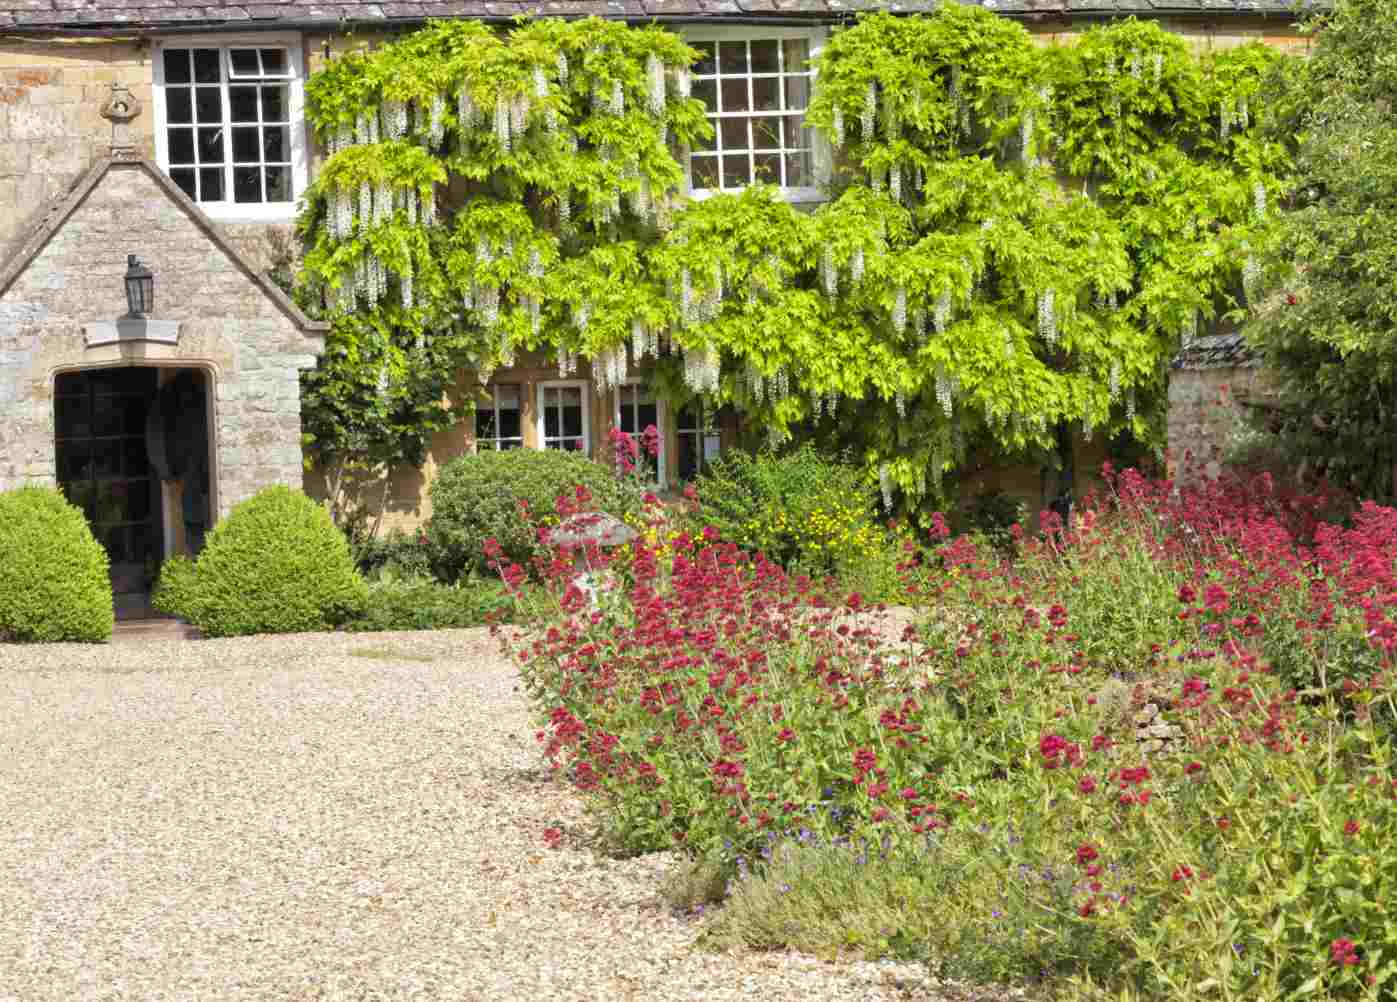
1343, 952
1351, 827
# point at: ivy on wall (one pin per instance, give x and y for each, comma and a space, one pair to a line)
1017, 237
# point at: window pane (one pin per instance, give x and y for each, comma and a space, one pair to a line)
211, 184
184, 177
687, 418
243, 62
768, 167
485, 422
732, 57
134, 461
511, 425
242, 103
800, 172
648, 414
179, 106
177, 66
274, 63
275, 105
736, 171
245, 144
766, 133
797, 93
735, 95
707, 92
208, 105
764, 58
206, 66
796, 55
797, 135
688, 456
73, 461
211, 146
278, 184
706, 63
276, 144
247, 184
705, 172
551, 427
181, 146
766, 94
734, 133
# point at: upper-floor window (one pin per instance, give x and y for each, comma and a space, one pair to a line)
229, 126
756, 84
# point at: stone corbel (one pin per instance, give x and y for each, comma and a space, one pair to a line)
128, 330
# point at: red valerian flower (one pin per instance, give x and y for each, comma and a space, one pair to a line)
1087, 785
1181, 873
1086, 853
1192, 768
1351, 827
1186, 595
1343, 952
553, 837
1224, 824
727, 769
491, 547
786, 735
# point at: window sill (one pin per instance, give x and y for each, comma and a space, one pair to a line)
794, 195
223, 212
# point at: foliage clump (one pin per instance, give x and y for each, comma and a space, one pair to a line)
950, 296
276, 564
54, 583
1322, 309
507, 496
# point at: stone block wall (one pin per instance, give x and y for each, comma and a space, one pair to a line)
230, 327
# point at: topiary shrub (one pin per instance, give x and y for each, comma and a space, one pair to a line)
476, 498
276, 564
174, 585
54, 582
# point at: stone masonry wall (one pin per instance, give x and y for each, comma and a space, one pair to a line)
230, 327
1205, 407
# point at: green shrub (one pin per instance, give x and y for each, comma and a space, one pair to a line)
424, 604
397, 554
54, 583
801, 510
276, 564
476, 498
174, 585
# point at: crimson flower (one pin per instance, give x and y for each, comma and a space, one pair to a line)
1343, 952
1192, 768
1351, 827
553, 836
1181, 873
1087, 785
1086, 853
786, 735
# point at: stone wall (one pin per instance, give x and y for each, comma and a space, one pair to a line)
230, 326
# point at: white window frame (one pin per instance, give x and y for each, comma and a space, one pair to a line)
661, 420
554, 384
820, 154
229, 211
494, 407
697, 433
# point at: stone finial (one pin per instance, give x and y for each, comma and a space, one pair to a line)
120, 108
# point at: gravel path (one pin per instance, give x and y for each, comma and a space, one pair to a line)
348, 817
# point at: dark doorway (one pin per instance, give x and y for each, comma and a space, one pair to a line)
132, 453
103, 467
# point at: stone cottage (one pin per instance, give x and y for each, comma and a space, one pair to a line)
151, 159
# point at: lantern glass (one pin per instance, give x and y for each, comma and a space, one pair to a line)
140, 288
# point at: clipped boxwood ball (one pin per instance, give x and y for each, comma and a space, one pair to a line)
54, 583
276, 564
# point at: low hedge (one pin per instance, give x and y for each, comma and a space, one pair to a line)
54, 582
478, 497
276, 564
423, 604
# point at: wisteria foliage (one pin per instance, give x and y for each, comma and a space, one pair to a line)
491, 192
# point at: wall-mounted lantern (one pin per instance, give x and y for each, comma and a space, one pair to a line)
140, 289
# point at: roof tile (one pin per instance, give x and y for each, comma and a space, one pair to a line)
38, 15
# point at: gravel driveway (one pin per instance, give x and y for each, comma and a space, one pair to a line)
325, 817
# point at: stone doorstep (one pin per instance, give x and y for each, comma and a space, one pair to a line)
142, 630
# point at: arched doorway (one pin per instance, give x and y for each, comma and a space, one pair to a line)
132, 451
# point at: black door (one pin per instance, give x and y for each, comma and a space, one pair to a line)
103, 468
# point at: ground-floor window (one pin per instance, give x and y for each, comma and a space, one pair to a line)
563, 416
696, 438
638, 409
499, 422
